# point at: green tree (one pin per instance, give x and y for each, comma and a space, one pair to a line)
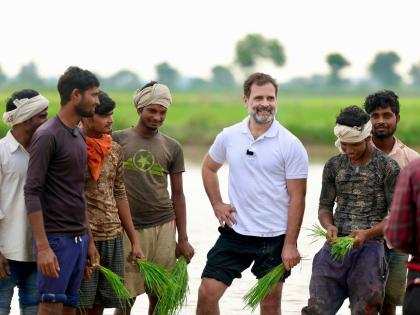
337, 63
28, 75
254, 47
167, 75
382, 68
222, 77
415, 74
123, 79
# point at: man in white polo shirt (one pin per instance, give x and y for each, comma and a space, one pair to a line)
268, 167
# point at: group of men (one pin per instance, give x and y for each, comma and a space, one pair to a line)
95, 197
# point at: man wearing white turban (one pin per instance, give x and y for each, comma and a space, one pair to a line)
357, 189
26, 110
150, 156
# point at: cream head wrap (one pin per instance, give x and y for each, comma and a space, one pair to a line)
26, 108
156, 94
351, 134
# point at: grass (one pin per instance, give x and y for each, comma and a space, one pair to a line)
263, 287
196, 117
341, 246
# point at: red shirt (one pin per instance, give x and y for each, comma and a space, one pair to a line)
403, 228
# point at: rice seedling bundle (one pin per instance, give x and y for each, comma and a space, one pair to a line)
173, 303
341, 246
117, 284
161, 283
263, 287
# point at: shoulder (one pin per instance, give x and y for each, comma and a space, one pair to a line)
120, 134
411, 154
233, 129
285, 136
385, 162
335, 161
169, 141
116, 147
47, 130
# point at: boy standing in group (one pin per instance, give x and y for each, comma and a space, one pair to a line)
107, 208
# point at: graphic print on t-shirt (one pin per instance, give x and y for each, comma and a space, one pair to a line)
144, 161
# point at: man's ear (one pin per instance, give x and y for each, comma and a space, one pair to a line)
245, 100
75, 94
398, 118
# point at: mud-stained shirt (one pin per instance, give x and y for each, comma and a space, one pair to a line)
103, 196
362, 194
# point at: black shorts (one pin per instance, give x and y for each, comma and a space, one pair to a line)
233, 253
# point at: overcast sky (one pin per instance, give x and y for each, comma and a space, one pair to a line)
195, 35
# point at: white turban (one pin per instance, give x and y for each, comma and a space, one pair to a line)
156, 94
351, 134
26, 108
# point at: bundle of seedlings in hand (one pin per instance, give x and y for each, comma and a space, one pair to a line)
172, 304
263, 287
160, 282
341, 246
117, 284
180, 275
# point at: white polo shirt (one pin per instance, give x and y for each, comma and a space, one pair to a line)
16, 241
258, 170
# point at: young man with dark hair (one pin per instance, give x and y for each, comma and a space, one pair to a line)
268, 167
26, 110
360, 181
150, 156
107, 208
384, 110
54, 195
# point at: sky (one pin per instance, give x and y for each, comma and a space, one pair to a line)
195, 35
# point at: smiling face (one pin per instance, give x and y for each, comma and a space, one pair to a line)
152, 116
262, 103
384, 122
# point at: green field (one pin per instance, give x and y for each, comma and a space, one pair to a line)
196, 118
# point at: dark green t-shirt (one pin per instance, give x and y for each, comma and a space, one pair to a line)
147, 163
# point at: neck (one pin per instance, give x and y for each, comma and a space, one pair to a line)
92, 133
68, 116
22, 136
366, 157
384, 144
258, 129
144, 131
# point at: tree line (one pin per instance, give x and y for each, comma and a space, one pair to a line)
249, 52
